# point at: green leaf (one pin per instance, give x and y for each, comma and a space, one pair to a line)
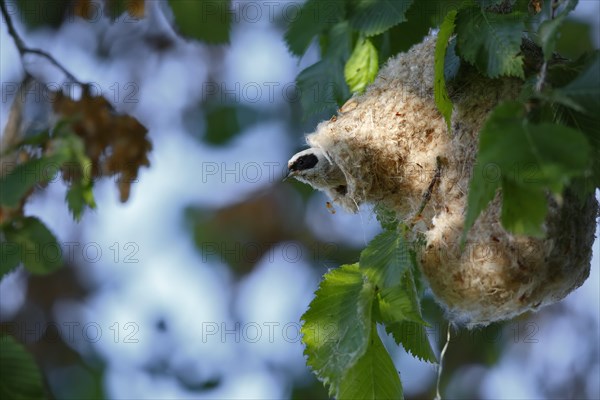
587, 124
337, 43
116, 8
317, 87
362, 66
40, 13
451, 62
387, 263
400, 302
488, 3
420, 19
315, 17
523, 209
20, 377
10, 255
337, 325
487, 173
322, 85
386, 217
40, 253
549, 30
386, 259
414, 339
526, 159
24, 177
222, 124
575, 38
491, 41
372, 17
442, 100
486, 179
205, 20
79, 196
559, 153
374, 375
420, 285
34, 140
583, 91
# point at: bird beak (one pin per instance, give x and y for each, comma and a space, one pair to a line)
291, 174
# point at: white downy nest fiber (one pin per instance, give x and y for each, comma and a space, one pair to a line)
386, 142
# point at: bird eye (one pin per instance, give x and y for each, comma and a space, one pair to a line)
305, 162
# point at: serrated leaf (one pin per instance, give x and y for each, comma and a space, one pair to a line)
205, 20
549, 30
15, 184
338, 42
362, 66
78, 197
386, 217
372, 17
413, 337
386, 259
387, 263
442, 100
40, 252
421, 18
337, 324
491, 41
20, 377
374, 375
314, 18
523, 158
400, 302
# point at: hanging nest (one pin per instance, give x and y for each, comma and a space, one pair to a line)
388, 143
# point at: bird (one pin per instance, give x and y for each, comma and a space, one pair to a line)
313, 167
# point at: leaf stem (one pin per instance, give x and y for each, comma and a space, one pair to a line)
438, 396
24, 50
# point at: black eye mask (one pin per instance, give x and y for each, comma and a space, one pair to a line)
307, 161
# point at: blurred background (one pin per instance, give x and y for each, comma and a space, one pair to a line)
194, 288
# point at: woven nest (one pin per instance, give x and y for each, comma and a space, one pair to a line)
387, 142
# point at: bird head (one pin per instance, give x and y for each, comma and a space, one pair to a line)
313, 167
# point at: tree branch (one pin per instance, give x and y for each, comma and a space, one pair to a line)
24, 50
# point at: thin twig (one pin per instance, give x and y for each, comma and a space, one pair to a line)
427, 194
438, 396
24, 50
